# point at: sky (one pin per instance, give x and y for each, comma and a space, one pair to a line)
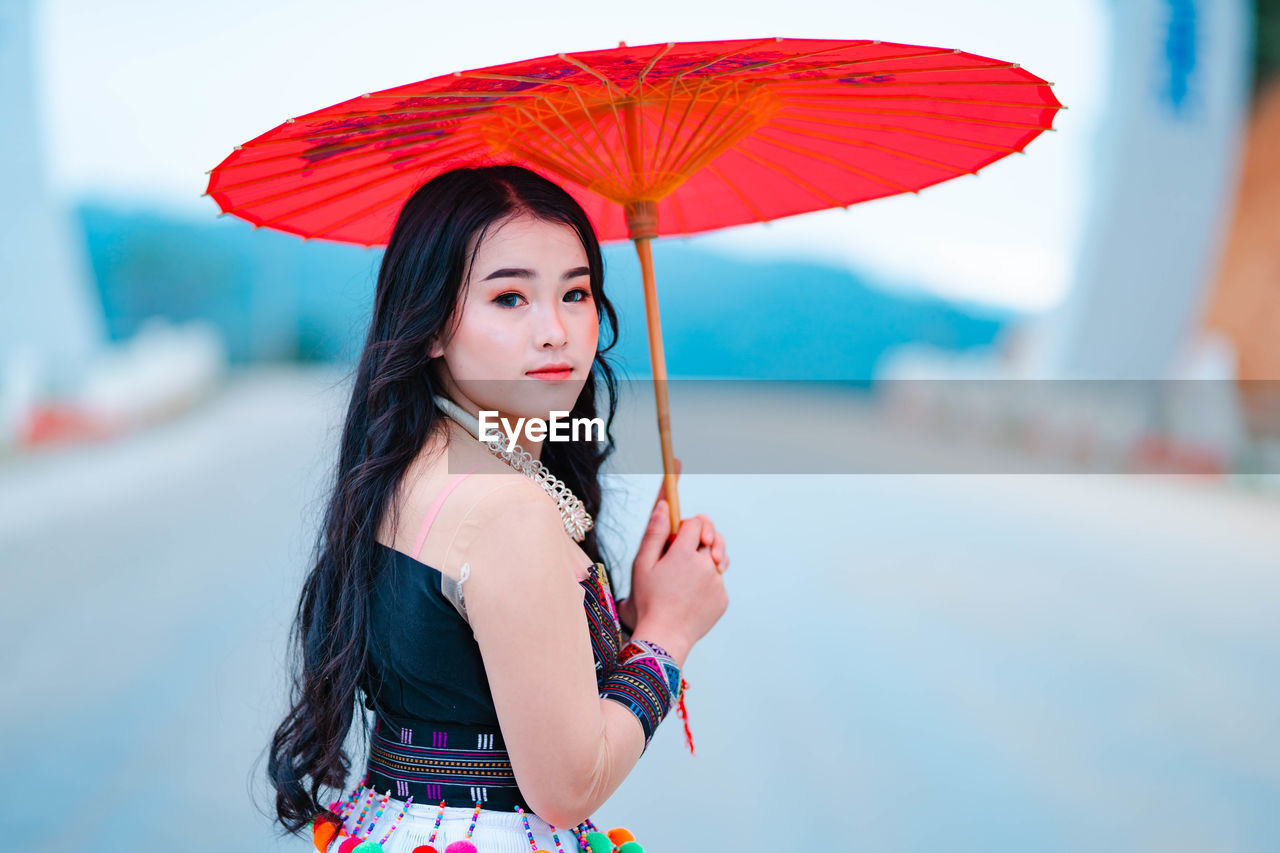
140, 99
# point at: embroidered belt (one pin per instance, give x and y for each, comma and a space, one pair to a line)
458, 763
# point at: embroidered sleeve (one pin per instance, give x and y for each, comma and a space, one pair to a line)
623, 631
646, 681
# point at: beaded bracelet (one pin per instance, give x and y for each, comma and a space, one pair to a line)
647, 681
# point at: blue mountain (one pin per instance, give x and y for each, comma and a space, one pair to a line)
275, 298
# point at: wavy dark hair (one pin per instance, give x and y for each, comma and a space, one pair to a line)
390, 417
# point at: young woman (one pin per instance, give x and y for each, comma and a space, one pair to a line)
459, 592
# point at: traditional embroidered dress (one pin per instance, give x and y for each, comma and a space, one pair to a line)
438, 771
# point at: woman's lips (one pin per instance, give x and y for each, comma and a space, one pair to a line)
551, 374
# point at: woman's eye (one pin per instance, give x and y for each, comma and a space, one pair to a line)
509, 299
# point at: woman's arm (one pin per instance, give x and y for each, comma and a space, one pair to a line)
570, 749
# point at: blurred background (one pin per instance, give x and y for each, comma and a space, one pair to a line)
1049, 623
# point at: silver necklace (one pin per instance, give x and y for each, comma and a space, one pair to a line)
577, 521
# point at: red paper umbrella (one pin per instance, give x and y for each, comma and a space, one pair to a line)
672, 138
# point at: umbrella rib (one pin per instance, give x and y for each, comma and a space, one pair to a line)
799, 149
613, 108
914, 71
903, 71
600, 165
751, 205
692, 163
330, 228
693, 135
896, 128
617, 168
679, 77
662, 124
921, 114
844, 63
756, 66
844, 98
414, 110
558, 167
331, 179
363, 142
878, 59
661, 161
608, 84
644, 71
574, 90
638, 94
368, 151
632, 167
841, 163
386, 130
370, 129
443, 148
486, 94
554, 137
862, 144
675, 209
661, 165
891, 84
827, 197
941, 51
330, 199
722, 57
514, 78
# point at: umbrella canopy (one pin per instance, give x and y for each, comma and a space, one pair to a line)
662, 139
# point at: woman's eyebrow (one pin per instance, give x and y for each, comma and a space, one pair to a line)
518, 272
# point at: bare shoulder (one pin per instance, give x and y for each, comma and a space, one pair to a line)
510, 520
450, 453
493, 504
503, 493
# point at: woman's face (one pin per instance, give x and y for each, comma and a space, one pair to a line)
526, 305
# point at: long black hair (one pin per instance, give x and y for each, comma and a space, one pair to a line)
390, 417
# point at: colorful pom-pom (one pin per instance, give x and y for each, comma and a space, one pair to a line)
350, 844
322, 832
630, 847
620, 835
598, 842
368, 847
460, 846
425, 848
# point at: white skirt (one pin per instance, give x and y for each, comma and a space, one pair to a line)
401, 830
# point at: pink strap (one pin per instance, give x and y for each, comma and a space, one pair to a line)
435, 507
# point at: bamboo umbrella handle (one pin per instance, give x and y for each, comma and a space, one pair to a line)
642, 225
659, 362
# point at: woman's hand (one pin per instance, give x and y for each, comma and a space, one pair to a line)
677, 591
710, 537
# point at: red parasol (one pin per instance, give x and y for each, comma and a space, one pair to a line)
672, 138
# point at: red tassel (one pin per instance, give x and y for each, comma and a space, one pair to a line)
684, 715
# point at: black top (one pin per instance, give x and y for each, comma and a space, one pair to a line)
437, 730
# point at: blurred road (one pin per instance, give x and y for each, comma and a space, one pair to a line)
909, 662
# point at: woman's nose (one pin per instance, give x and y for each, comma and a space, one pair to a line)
552, 329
